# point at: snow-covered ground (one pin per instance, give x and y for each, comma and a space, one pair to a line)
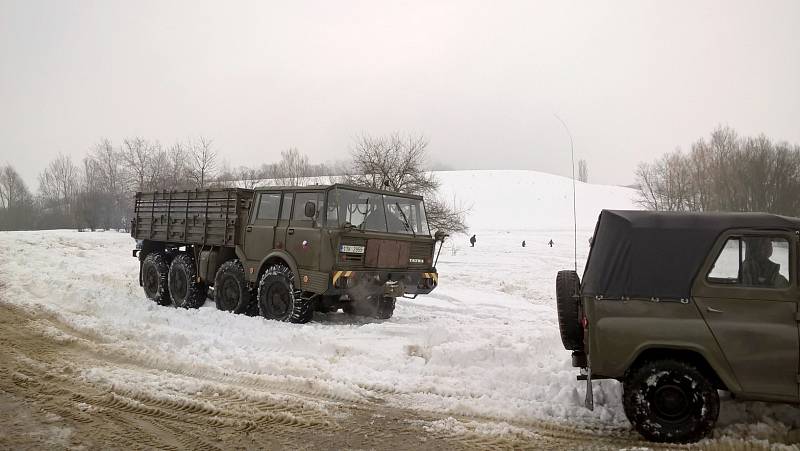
484, 344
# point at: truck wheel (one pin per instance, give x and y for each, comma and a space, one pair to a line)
154, 278
231, 292
568, 306
278, 299
184, 289
381, 308
670, 401
385, 308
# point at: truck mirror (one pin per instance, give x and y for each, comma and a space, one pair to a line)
311, 209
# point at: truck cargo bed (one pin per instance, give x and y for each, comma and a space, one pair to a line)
202, 217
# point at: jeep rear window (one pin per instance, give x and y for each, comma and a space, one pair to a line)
752, 261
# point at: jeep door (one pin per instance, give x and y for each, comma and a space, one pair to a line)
260, 231
303, 237
747, 292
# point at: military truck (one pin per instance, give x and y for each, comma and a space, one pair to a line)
284, 252
679, 305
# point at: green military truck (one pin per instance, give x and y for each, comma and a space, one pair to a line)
679, 305
284, 252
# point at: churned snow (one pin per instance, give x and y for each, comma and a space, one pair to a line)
484, 344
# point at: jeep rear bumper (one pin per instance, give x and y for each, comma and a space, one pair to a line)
383, 283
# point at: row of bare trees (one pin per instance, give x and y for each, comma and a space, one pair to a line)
97, 191
725, 173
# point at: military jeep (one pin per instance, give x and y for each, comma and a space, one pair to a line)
679, 305
284, 252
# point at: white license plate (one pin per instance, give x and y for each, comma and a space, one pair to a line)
416, 260
351, 249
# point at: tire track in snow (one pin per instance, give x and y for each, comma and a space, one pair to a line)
49, 372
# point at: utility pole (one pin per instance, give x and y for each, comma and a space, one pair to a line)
574, 208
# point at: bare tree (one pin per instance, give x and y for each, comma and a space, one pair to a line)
202, 162
112, 181
292, 170
137, 154
58, 185
583, 171
394, 162
91, 200
4, 190
398, 163
16, 202
13, 191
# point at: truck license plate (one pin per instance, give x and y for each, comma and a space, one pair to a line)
351, 249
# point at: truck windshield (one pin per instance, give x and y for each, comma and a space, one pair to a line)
377, 212
404, 215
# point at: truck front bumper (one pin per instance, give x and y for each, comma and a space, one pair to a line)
385, 283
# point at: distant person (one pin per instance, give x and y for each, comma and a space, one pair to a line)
472, 241
523, 243
550, 243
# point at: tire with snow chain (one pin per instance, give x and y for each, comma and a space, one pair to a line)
385, 308
184, 288
568, 285
155, 270
371, 306
231, 291
279, 300
670, 401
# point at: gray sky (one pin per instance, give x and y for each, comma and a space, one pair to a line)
480, 79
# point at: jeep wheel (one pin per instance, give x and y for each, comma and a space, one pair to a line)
154, 278
278, 299
184, 288
568, 306
670, 401
231, 292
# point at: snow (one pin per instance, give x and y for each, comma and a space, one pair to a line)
484, 344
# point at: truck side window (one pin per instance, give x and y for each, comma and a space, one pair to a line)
300, 205
753, 261
333, 210
287, 206
268, 206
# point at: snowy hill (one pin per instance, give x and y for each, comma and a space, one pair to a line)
530, 200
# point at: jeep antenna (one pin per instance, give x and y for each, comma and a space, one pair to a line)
574, 210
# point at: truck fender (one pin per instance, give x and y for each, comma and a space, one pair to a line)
282, 256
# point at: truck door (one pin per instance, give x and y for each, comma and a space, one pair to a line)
260, 231
748, 294
303, 237
283, 221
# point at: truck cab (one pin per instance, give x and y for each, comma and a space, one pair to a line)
349, 245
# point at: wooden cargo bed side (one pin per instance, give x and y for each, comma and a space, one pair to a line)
201, 217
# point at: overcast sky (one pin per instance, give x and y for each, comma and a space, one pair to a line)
482, 80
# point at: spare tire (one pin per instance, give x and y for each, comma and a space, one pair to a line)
568, 286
